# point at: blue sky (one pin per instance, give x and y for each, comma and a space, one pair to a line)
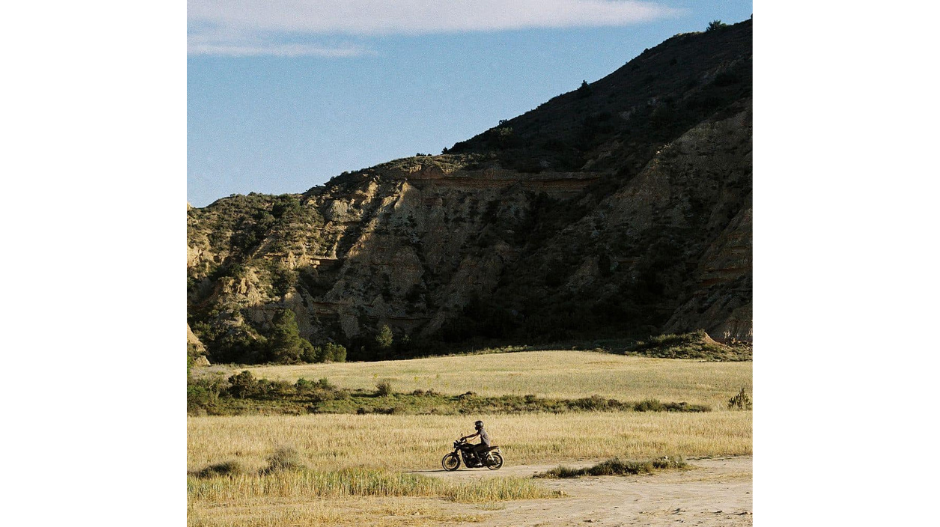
283, 95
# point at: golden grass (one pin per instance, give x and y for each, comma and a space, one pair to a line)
558, 374
333, 448
360, 482
283, 512
333, 442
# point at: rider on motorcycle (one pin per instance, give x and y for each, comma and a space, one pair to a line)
480, 449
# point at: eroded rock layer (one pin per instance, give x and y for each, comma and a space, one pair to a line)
622, 208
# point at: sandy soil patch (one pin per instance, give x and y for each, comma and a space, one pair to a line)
715, 492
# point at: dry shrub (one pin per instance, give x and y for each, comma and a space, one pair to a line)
383, 388
741, 401
226, 468
283, 458
616, 467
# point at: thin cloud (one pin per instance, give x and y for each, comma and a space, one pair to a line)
239, 42
382, 17
274, 50
246, 20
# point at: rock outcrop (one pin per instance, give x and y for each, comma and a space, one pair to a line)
624, 209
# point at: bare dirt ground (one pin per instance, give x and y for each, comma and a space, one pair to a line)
715, 492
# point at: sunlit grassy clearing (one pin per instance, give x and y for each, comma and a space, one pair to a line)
332, 442
560, 374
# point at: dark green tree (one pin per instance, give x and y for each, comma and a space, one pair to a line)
312, 353
285, 345
384, 338
334, 352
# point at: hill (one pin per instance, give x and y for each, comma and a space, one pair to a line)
622, 208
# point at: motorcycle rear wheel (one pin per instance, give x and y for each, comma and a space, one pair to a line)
497, 461
451, 462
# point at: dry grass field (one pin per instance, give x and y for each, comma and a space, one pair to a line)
560, 374
332, 442
356, 467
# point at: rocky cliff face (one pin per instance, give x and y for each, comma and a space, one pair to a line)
623, 208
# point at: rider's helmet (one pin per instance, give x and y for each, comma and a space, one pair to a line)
478, 425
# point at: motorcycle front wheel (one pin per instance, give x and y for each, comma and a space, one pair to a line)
496, 461
452, 462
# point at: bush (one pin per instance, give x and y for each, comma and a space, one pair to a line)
741, 401
284, 458
383, 388
334, 352
594, 402
654, 405
310, 353
303, 385
649, 405
616, 467
202, 395
242, 385
226, 468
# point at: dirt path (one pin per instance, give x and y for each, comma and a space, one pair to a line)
716, 492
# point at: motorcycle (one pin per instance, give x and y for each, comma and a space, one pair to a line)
492, 458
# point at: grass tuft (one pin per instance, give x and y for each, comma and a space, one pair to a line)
284, 458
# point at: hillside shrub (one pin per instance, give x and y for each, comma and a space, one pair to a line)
584, 90
715, 25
